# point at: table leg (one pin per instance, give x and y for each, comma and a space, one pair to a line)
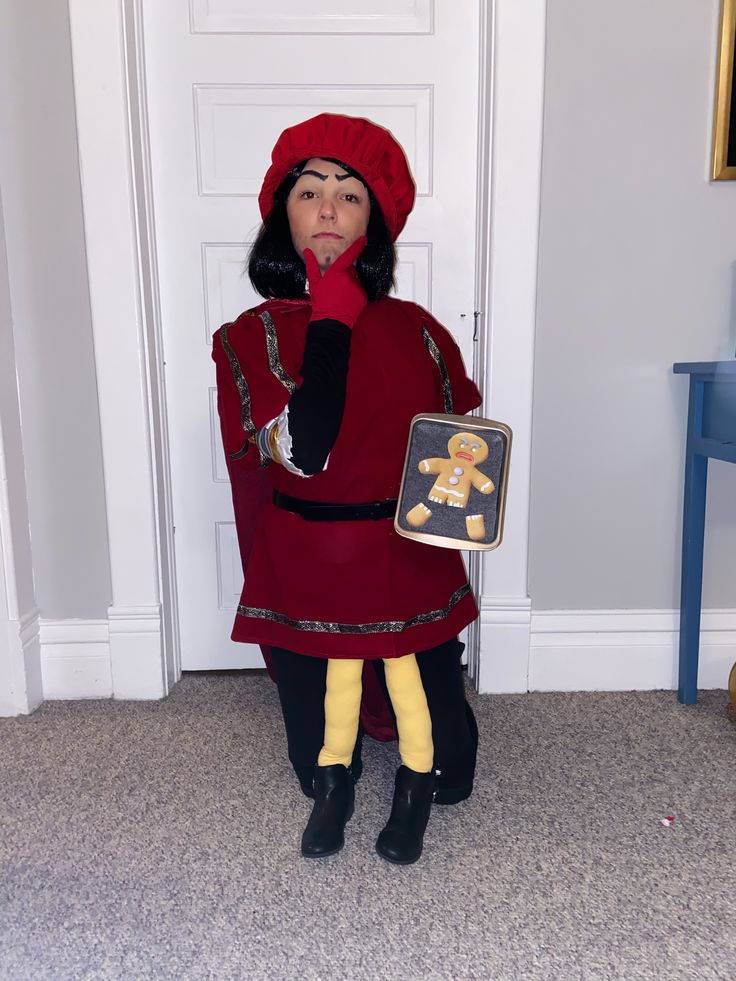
693, 529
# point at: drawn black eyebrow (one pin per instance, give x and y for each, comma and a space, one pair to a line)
323, 177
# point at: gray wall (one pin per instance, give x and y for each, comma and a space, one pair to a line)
637, 270
46, 261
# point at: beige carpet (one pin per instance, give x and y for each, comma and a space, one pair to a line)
161, 840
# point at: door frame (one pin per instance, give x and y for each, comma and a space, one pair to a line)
109, 79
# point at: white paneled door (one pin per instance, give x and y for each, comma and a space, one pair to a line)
224, 78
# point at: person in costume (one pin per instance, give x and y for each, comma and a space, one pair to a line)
315, 395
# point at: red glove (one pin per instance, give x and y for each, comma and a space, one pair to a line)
338, 294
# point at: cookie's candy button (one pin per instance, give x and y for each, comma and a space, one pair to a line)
458, 471
454, 480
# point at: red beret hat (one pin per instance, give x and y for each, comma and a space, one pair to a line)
369, 149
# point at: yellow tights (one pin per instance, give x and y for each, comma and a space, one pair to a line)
342, 711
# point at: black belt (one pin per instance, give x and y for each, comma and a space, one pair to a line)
319, 511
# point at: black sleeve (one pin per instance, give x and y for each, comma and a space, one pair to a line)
315, 409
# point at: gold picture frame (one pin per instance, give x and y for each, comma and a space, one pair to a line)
724, 125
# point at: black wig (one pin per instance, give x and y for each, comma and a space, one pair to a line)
277, 270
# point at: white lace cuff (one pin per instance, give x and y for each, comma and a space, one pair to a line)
283, 443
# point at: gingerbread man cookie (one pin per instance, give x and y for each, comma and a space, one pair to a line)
455, 476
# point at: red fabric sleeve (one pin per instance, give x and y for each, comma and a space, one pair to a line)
465, 394
248, 393
234, 438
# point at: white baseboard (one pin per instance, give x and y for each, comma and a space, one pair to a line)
136, 652
553, 650
115, 658
75, 659
624, 650
505, 624
21, 686
30, 640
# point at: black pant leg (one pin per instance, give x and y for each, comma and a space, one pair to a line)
454, 730
301, 682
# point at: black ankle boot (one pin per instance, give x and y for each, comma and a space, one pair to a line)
402, 839
334, 800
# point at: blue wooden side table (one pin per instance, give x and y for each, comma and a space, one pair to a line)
711, 432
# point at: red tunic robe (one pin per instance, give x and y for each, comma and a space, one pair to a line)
341, 588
